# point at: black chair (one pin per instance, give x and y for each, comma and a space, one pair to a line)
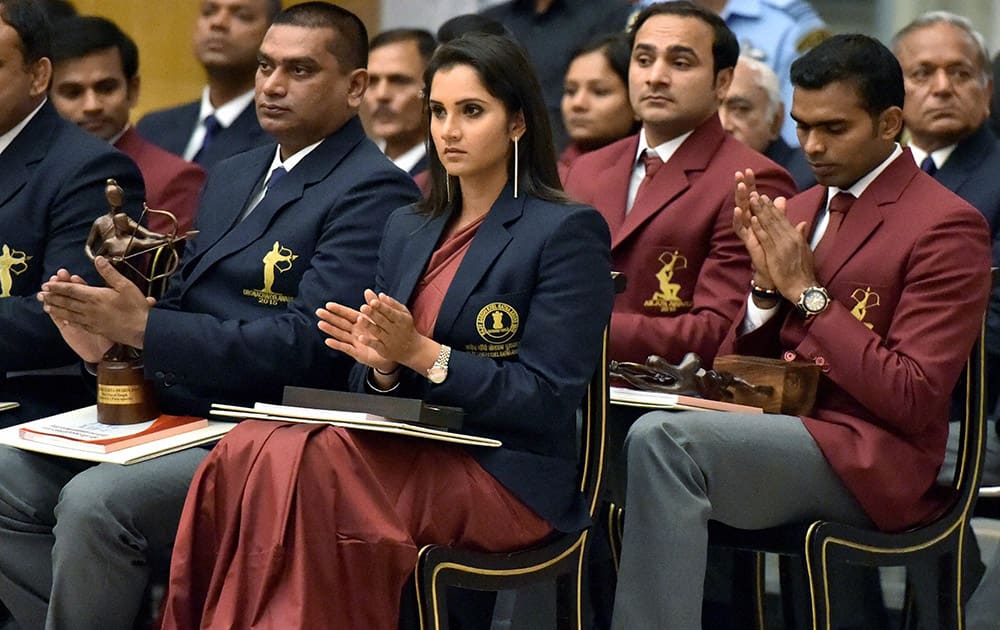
937, 544
560, 558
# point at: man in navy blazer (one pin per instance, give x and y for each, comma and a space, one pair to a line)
948, 77
236, 325
222, 122
52, 180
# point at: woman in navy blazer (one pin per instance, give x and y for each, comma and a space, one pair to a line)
491, 295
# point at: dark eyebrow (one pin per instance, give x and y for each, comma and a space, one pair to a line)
672, 50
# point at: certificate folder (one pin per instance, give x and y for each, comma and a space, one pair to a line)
411, 410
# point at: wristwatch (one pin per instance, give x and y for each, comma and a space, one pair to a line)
439, 371
813, 301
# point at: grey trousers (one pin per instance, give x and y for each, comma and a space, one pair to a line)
745, 470
76, 539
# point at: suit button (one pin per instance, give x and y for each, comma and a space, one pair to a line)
788, 356
159, 376
821, 362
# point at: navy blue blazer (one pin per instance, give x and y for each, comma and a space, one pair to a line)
972, 172
524, 316
238, 323
52, 181
171, 129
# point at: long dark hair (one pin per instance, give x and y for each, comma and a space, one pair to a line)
506, 73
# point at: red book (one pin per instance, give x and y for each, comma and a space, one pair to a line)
86, 434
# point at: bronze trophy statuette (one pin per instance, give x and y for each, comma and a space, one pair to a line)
774, 385
124, 396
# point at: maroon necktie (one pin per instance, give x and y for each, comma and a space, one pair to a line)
839, 206
653, 163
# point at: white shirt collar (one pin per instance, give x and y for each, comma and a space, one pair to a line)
665, 150
7, 138
859, 186
940, 156
118, 136
409, 159
227, 113
292, 160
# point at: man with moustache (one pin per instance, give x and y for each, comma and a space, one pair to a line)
95, 84
948, 81
79, 542
875, 225
394, 107
222, 122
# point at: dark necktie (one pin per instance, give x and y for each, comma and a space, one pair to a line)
275, 177
839, 206
653, 163
212, 129
928, 166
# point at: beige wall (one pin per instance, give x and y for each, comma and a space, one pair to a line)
162, 30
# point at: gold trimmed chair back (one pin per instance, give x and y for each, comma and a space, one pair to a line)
561, 557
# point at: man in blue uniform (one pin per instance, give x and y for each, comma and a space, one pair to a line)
282, 229
776, 32
52, 179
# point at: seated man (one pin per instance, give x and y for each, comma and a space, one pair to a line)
52, 178
223, 122
95, 84
394, 108
878, 225
77, 540
753, 112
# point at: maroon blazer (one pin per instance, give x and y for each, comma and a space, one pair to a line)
909, 275
172, 183
687, 306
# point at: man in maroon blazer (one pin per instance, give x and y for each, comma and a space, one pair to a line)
884, 290
95, 83
687, 271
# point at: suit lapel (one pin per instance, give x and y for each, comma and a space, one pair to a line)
490, 240
965, 159
27, 149
416, 252
313, 168
671, 180
868, 213
612, 195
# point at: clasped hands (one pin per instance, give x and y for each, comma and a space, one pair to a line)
779, 251
380, 334
91, 319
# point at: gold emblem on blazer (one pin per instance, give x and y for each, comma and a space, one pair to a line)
277, 260
497, 322
667, 298
864, 299
12, 263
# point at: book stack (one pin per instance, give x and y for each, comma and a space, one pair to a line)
77, 434
661, 400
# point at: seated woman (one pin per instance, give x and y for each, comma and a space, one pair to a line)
492, 295
595, 107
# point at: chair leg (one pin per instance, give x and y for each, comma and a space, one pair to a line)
818, 579
432, 604
951, 612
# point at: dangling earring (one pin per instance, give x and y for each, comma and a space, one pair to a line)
447, 185
516, 167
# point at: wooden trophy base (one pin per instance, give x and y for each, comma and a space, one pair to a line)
124, 396
793, 383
